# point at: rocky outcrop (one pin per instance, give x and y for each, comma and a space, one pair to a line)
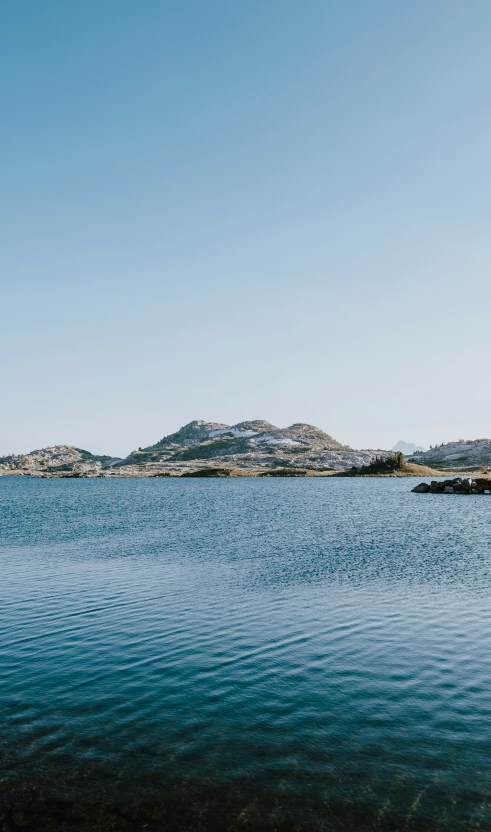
208, 472
57, 461
463, 455
458, 485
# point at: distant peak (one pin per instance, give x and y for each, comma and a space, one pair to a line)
407, 448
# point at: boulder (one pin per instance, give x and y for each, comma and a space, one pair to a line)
422, 488
208, 472
457, 485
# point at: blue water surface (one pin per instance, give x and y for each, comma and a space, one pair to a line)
244, 654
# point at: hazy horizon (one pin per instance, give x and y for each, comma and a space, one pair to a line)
236, 211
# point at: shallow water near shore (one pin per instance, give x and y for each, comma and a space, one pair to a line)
243, 654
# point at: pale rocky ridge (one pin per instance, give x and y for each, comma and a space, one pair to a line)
464, 454
247, 447
58, 460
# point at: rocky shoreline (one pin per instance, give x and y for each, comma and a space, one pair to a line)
457, 485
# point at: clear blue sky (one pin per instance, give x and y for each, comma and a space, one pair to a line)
237, 210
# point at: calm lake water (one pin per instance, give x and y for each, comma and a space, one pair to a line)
244, 654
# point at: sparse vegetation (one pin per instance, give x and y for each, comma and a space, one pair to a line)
390, 465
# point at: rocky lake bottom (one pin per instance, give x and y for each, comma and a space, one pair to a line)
250, 654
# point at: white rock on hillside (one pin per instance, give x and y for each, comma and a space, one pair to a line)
464, 453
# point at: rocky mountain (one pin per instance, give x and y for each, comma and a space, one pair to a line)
464, 454
59, 460
248, 447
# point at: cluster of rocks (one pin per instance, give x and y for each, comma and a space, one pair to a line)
458, 485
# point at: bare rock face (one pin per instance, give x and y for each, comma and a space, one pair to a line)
59, 460
190, 434
462, 454
208, 472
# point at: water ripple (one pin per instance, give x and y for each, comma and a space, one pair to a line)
298, 654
